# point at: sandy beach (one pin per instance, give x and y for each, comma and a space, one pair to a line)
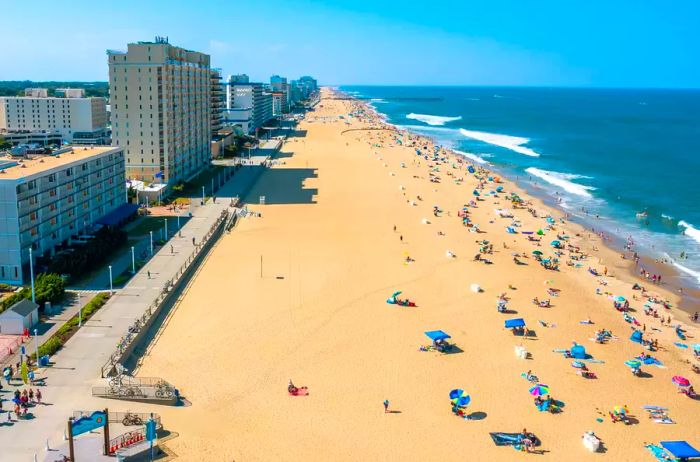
301, 293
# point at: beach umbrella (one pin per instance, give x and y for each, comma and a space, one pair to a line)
620, 410
555, 243
539, 390
680, 381
633, 363
396, 294
537, 252
459, 398
540, 232
620, 299
577, 364
476, 193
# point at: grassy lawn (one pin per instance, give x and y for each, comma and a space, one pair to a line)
145, 224
194, 188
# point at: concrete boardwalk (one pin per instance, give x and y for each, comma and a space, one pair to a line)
76, 368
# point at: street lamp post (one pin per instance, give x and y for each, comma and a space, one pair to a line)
31, 273
165, 220
36, 344
212, 186
202, 195
111, 286
151, 233
178, 221
133, 261
80, 312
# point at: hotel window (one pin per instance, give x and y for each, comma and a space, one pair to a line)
32, 200
69, 171
33, 216
31, 185
52, 207
34, 231
52, 192
53, 221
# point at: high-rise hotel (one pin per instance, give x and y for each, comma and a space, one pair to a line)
161, 110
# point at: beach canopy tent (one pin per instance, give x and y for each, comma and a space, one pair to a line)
636, 336
436, 335
517, 322
680, 449
578, 352
19, 317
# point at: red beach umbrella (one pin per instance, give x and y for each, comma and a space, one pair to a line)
680, 381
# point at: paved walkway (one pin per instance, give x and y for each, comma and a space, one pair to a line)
77, 366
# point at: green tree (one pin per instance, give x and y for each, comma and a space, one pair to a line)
49, 287
4, 144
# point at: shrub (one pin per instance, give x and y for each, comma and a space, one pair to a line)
49, 287
50, 347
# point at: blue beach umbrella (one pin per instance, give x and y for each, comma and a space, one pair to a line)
539, 390
555, 243
476, 193
620, 299
459, 398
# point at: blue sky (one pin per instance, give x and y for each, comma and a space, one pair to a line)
614, 43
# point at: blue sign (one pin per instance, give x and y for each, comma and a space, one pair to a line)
150, 430
86, 424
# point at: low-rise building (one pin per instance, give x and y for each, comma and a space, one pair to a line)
47, 200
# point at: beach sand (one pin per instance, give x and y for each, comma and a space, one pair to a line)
300, 293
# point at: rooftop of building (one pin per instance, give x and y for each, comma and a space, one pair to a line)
13, 167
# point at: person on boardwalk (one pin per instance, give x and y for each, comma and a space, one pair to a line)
386, 406
38, 396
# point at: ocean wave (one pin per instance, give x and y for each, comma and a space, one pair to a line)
377, 100
690, 231
684, 269
514, 143
562, 180
474, 157
432, 119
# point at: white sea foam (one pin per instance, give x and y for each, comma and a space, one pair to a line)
432, 119
684, 269
562, 180
666, 217
690, 231
474, 157
377, 100
514, 143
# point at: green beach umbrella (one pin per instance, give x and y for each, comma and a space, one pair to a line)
537, 252
633, 363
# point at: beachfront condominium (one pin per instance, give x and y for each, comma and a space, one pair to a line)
249, 106
279, 84
71, 118
48, 200
218, 102
161, 110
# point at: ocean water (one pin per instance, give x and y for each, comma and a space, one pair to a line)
605, 155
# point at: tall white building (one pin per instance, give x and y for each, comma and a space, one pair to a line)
250, 107
160, 97
77, 120
45, 201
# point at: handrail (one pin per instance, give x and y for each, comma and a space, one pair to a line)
135, 329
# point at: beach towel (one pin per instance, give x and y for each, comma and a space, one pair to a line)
681, 345
505, 439
658, 452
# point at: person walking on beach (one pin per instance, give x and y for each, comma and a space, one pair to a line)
401, 238
386, 406
149, 274
38, 396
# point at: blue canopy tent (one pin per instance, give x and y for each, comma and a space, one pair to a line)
636, 336
680, 449
513, 323
436, 335
578, 352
